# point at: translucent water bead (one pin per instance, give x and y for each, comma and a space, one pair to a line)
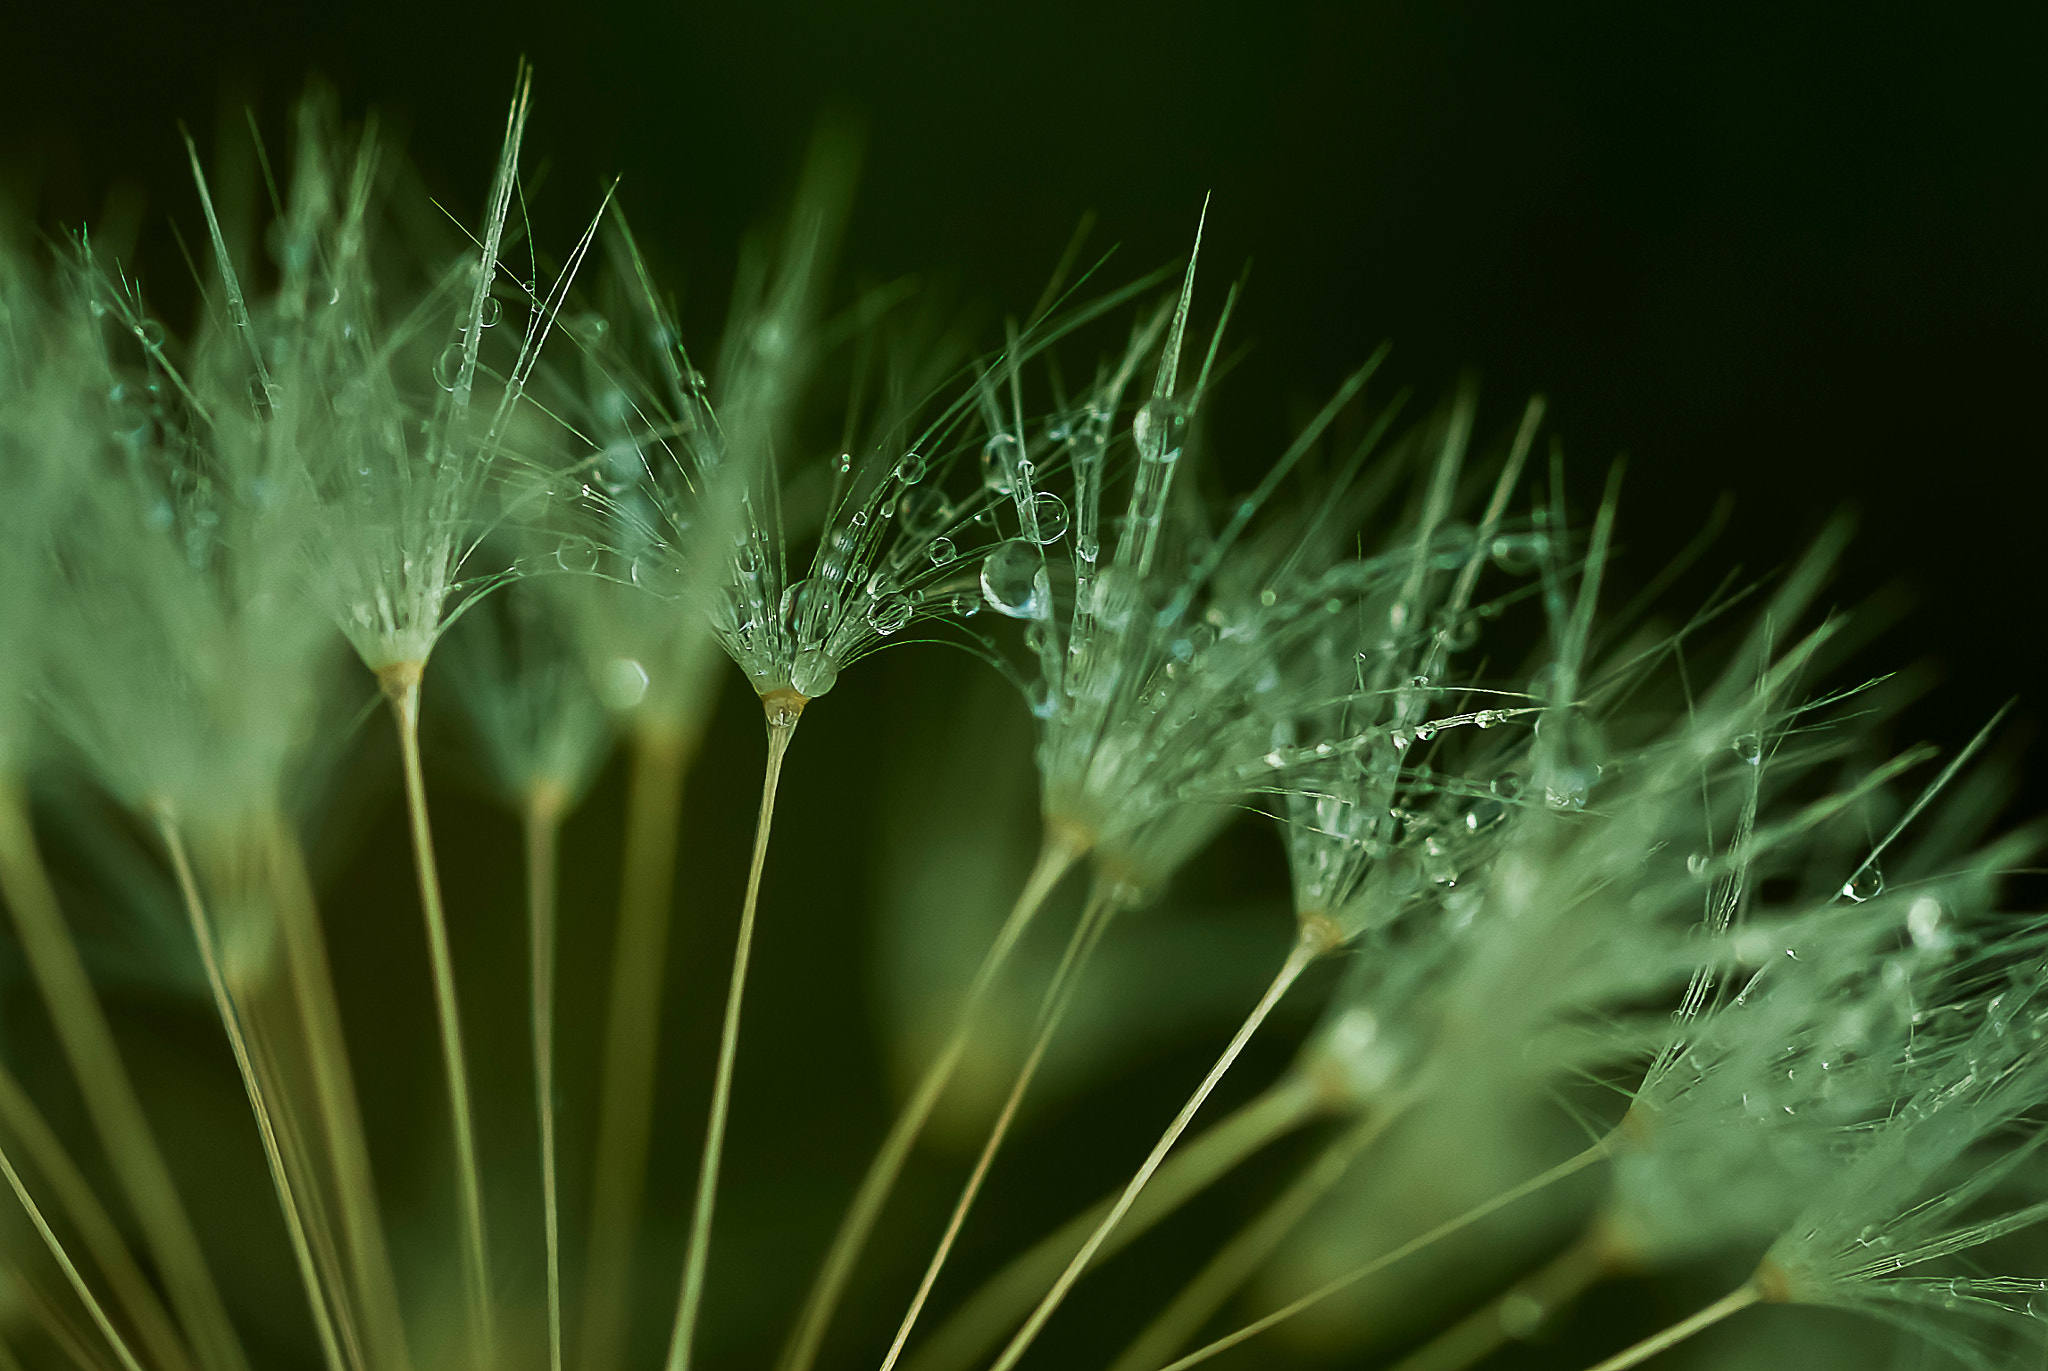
1012, 580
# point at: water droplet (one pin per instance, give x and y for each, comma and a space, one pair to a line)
1507, 785
1518, 553
1867, 882
448, 367
942, 551
882, 583
1159, 429
623, 683
998, 464
924, 511
576, 554
1486, 718
813, 673
911, 469
806, 605
1568, 753
1456, 634
890, 612
488, 318
1400, 739
151, 334
1012, 580
1485, 815
1696, 863
1749, 748
1051, 513
1925, 923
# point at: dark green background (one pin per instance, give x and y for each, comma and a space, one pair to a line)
1794, 252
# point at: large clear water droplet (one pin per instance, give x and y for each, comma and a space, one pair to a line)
813, 673
622, 683
805, 606
1518, 553
448, 367
1568, 756
890, 612
1159, 429
1012, 580
576, 554
1051, 513
998, 464
924, 511
911, 469
1749, 748
942, 551
1866, 883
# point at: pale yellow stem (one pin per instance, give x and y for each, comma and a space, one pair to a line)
69, 1268
1568, 1167
1061, 849
231, 1023
402, 686
1234, 1263
1058, 996
782, 723
44, 1152
1310, 945
660, 756
1519, 1312
973, 1329
1734, 1302
543, 826
88, 1043
290, 887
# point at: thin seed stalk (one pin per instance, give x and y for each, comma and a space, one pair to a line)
402, 687
782, 721
1312, 943
1008, 1296
259, 1104
1058, 996
1570, 1166
1519, 1311
290, 888
544, 807
44, 1151
93, 1308
88, 1043
660, 756
1061, 849
1734, 1302
1237, 1259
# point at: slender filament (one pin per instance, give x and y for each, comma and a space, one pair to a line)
1004, 1299
626, 1092
543, 827
1306, 949
88, 1042
259, 1105
1569, 1167
70, 1269
1734, 1302
1058, 995
781, 725
1237, 1259
402, 686
1517, 1312
1061, 849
